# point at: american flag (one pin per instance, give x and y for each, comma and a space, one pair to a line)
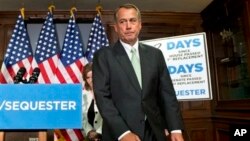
70, 69
97, 38
47, 50
18, 54
72, 56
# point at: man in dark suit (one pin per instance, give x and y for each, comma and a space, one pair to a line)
137, 103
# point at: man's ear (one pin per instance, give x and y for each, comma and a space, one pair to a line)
140, 26
115, 26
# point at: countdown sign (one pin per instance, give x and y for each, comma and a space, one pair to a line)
188, 64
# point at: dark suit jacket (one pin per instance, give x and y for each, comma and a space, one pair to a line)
123, 104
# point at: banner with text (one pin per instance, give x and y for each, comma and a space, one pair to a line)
40, 106
187, 62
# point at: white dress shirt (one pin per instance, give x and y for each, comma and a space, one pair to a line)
87, 98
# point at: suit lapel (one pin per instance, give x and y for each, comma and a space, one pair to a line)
144, 64
126, 65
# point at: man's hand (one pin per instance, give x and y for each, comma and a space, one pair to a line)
130, 137
176, 137
93, 136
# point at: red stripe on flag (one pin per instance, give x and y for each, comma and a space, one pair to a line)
52, 64
65, 135
60, 77
79, 134
11, 72
44, 73
79, 65
2, 78
72, 75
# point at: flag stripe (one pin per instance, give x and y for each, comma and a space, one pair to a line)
60, 75
48, 69
58, 135
79, 134
44, 78
74, 72
72, 135
65, 135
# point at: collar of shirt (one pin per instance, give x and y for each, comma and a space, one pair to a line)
128, 48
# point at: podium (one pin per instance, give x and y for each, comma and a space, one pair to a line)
31, 112
27, 135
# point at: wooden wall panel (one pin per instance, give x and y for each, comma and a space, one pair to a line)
152, 31
221, 132
28, 135
199, 133
198, 129
227, 111
1, 43
5, 34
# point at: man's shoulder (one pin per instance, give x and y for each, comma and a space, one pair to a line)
103, 50
149, 47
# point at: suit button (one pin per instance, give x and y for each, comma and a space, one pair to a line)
95, 122
96, 112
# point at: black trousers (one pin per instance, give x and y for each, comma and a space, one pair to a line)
148, 133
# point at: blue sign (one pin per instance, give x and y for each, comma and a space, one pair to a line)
40, 106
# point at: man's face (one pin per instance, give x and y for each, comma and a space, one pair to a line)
128, 25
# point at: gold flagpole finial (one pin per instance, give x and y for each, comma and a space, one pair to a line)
51, 8
22, 12
98, 8
72, 10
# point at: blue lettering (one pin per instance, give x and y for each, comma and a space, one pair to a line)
196, 42
181, 69
190, 92
188, 42
186, 68
170, 45
182, 44
198, 67
189, 67
171, 69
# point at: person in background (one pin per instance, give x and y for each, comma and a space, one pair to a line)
133, 88
92, 120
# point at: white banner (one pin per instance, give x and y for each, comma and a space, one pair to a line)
187, 61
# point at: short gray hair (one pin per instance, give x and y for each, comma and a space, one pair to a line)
127, 6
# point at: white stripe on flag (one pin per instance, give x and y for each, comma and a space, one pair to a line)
72, 135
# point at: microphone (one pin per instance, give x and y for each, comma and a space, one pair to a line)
19, 76
34, 76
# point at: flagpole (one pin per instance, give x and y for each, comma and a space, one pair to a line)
72, 11
69, 67
42, 135
51, 8
22, 12
98, 8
